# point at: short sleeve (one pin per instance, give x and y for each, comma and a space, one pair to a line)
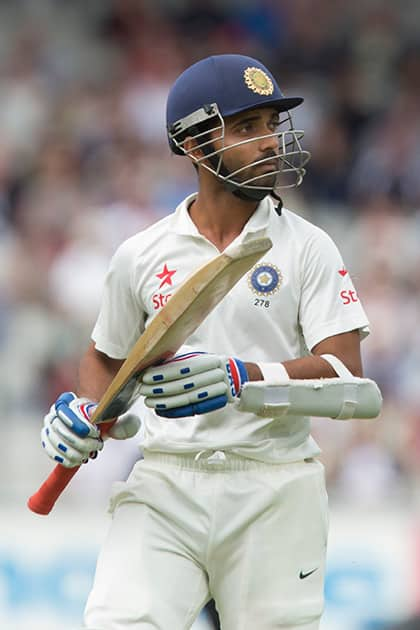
121, 316
329, 304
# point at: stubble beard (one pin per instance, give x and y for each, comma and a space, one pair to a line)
264, 180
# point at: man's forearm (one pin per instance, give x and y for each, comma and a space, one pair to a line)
305, 367
309, 367
96, 372
344, 346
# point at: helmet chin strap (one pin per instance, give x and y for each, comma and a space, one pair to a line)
279, 200
257, 195
246, 194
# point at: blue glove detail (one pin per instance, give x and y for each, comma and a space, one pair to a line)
84, 408
194, 409
237, 375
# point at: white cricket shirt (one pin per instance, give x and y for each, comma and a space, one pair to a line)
298, 294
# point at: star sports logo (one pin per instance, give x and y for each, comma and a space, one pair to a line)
165, 277
348, 296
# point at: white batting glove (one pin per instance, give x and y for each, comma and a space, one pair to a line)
69, 438
193, 383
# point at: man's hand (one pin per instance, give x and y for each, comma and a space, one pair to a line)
69, 437
193, 383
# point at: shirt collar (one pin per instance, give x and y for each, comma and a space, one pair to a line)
257, 223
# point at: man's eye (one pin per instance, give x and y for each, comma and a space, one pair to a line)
245, 128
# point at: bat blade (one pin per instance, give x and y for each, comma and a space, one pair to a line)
166, 333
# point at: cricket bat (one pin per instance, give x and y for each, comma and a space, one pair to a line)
166, 333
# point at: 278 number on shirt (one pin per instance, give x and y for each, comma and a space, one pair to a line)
261, 302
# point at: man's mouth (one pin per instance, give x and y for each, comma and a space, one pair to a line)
268, 166
271, 161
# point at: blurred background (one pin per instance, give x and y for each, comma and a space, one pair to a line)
84, 163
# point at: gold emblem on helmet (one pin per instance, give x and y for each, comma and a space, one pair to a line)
258, 81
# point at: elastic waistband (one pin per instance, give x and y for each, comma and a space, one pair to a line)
214, 460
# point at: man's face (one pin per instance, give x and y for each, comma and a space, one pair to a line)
243, 128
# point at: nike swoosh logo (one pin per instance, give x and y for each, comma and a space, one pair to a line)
303, 575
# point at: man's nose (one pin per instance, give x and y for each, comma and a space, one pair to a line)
269, 142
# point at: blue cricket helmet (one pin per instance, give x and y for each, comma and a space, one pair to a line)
235, 83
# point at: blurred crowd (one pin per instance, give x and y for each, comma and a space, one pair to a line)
84, 163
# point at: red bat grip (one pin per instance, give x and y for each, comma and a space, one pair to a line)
43, 501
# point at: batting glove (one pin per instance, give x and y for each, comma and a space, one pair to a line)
193, 383
69, 438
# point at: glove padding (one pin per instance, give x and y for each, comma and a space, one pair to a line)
69, 438
193, 383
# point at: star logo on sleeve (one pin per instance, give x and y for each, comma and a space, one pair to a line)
165, 276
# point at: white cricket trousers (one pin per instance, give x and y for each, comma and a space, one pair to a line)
251, 535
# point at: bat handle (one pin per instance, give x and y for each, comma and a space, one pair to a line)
43, 501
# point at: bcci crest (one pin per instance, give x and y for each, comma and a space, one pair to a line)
265, 279
258, 81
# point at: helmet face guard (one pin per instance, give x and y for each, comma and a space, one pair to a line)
206, 126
